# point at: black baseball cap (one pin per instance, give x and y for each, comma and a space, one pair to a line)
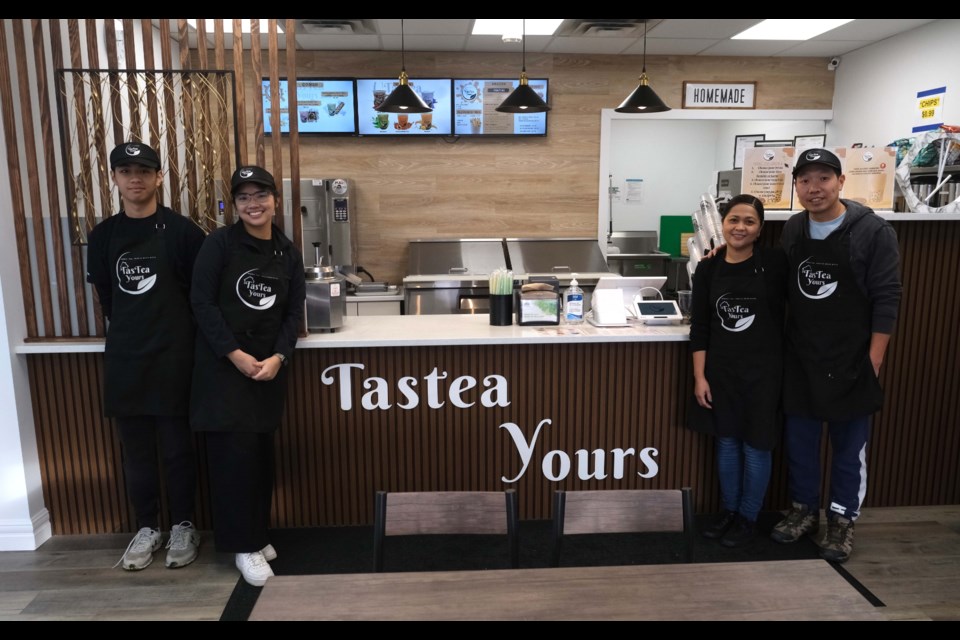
817, 156
134, 153
252, 173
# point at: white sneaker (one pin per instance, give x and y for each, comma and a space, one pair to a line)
269, 553
139, 553
183, 546
254, 568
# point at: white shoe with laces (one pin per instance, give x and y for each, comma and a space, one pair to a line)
139, 553
254, 568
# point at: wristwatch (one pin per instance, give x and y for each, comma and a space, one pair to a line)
283, 358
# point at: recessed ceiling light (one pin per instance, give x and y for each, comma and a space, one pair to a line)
789, 29
244, 25
535, 26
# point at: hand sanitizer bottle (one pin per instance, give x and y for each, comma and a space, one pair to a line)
573, 303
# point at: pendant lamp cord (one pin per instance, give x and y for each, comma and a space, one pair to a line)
523, 45
403, 62
644, 45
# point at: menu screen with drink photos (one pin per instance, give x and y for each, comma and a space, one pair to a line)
371, 92
324, 105
475, 103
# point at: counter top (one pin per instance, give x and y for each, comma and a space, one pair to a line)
470, 329
432, 330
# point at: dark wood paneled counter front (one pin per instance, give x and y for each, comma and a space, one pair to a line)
405, 403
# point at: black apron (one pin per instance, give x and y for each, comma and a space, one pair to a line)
148, 356
253, 300
828, 373
744, 362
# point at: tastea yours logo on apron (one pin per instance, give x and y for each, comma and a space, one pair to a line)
735, 313
816, 279
256, 290
136, 274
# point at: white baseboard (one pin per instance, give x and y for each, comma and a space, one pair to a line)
25, 536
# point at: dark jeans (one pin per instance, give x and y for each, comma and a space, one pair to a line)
744, 476
139, 439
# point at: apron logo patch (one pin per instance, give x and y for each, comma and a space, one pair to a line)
135, 274
816, 279
736, 313
255, 290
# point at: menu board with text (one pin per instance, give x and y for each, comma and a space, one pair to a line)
475, 103
767, 174
323, 106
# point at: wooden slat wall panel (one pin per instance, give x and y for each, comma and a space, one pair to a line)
50, 169
16, 189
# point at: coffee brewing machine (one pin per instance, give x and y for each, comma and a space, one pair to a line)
327, 232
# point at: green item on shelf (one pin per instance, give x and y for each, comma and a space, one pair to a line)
671, 230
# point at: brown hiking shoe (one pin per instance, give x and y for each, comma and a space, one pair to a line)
837, 544
800, 521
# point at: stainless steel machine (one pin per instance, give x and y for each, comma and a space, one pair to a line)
452, 275
326, 217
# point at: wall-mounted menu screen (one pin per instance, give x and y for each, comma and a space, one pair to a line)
324, 106
436, 92
475, 101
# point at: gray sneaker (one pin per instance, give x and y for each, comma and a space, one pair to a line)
837, 544
183, 546
800, 521
139, 553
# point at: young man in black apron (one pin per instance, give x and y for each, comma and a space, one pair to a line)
140, 262
843, 298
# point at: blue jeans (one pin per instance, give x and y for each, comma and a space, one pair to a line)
848, 470
744, 476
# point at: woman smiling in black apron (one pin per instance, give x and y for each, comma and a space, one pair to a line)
736, 337
248, 297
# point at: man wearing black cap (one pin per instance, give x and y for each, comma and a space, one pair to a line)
844, 294
140, 261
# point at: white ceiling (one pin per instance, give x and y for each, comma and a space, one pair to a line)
702, 37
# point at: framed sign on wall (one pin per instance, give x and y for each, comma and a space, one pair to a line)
719, 95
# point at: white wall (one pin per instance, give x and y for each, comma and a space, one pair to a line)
24, 521
874, 100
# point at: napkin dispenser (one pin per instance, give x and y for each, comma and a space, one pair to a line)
539, 301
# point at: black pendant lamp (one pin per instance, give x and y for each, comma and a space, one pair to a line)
403, 99
643, 99
523, 99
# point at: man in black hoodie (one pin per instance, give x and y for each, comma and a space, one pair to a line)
844, 295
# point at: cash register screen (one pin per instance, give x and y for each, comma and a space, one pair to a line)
657, 311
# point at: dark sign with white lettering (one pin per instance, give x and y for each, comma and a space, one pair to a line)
719, 95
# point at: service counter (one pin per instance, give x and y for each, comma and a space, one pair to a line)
403, 403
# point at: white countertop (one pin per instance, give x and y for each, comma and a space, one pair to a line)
433, 330
467, 329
